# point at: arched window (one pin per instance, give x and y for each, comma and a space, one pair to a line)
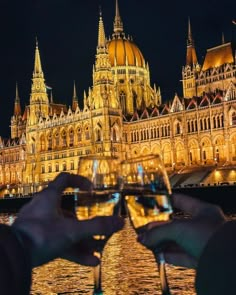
204, 155
64, 138
155, 133
42, 169
189, 126
79, 135
42, 143
222, 120
114, 135
192, 126
123, 101
214, 122
49, 142
178, 128
234, 118
57, 167
87, 133
190, 157
209, 123
135, 100
57, 141
64, 166
98, 134
71, 136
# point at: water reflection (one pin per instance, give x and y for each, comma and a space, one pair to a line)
128, 269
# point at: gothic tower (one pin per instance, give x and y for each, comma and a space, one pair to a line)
39, 104
38, 107
102, 101
191, 68
16, 120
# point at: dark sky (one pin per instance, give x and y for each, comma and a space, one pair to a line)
67, 35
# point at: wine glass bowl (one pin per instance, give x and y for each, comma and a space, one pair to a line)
147, 191
102, 171
101, 199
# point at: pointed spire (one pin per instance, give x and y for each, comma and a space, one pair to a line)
191, 56
74, 99
190, 38
17, 107
101, 32
118, 24
223, 38
37, 62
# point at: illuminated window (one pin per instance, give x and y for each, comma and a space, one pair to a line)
79, 135
87, 133
71, 135
64, 138
234, 118
49, 142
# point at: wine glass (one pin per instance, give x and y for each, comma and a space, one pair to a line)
147, 191
102, 200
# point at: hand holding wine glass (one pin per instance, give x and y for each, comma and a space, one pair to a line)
102, 200
147, 194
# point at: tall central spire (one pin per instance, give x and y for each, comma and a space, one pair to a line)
101, 32
118, 24
38, 72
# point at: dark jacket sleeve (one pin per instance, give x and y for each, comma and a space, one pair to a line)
15, 266
216, 273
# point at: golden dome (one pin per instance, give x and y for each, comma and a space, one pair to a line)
122, 50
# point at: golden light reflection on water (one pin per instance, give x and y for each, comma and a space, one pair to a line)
127, 269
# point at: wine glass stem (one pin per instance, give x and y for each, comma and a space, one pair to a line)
162, 271
98, 277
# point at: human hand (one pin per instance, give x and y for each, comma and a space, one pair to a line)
47, 233
183, 239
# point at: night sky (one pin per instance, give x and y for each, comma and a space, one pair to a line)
67, 36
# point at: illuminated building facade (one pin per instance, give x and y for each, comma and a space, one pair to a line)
124, 115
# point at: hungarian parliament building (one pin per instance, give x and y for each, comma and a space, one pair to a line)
124, 115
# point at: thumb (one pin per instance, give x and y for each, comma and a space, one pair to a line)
159, 234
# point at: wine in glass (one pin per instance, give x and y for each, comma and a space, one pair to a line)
102, 200
147, 191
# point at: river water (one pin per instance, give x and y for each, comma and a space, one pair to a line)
128, 268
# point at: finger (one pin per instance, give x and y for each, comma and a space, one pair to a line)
50, 198
189, 204
160, 234
65, 180
103, 225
